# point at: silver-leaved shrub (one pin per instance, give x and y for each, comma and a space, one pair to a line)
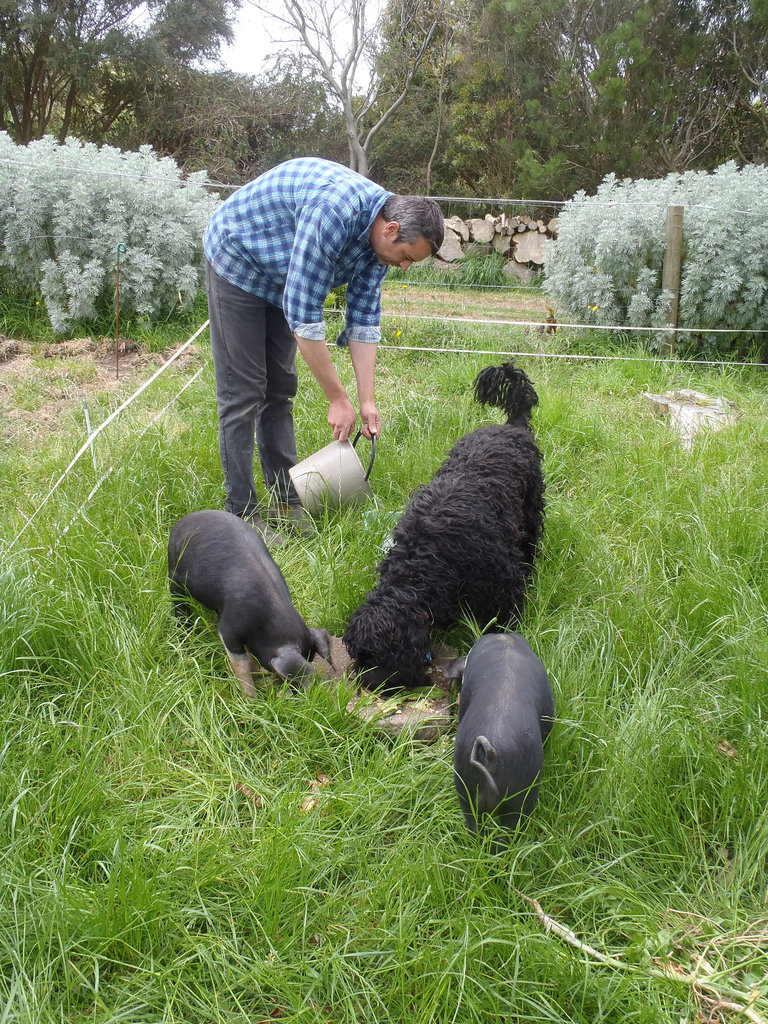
606, 264
65, 209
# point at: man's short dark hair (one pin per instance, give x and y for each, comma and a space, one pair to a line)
418, 217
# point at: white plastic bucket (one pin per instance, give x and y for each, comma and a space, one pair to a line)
333, 476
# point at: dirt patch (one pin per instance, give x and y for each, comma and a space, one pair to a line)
110, 359
426, 714
40, 383
10, 349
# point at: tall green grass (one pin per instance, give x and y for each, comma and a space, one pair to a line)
176, 852
475, 269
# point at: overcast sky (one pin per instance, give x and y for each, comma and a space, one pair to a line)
258, 37
254, 42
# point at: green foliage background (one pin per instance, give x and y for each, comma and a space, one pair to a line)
512, 99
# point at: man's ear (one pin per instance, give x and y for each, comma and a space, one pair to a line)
392, 229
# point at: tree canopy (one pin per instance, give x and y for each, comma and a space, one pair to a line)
74, 66
478, 97
547, 98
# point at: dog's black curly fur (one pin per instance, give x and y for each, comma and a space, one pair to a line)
466, 542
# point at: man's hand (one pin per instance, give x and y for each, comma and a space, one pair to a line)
341, 413
364, 364
342, 418
371, 424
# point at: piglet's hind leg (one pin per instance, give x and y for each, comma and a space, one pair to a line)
180, 600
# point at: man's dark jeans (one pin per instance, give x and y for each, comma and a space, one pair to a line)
254, 359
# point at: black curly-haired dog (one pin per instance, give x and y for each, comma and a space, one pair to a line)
465, 543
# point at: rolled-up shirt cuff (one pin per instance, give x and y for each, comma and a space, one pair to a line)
369, 335
312, 332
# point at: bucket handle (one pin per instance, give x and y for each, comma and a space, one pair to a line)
373, 451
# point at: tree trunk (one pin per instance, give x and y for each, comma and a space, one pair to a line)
68, 108
440, 99
358, 158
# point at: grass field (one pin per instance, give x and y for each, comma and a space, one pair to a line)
174, 852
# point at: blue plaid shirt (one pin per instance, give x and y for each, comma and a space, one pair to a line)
296, 232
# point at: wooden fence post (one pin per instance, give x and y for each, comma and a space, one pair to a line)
670, 275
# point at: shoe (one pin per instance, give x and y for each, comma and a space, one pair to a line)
297, 518
267, 534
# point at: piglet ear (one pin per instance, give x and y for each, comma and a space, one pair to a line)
290, 663
453, 668
321, 638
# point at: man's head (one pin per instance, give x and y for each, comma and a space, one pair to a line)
406, 230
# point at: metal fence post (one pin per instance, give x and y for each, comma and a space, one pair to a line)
670, 274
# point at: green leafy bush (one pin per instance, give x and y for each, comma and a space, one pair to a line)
606, 264
65, 209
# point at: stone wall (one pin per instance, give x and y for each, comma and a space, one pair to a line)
520, 240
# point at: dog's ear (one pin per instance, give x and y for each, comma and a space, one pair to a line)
409, 539
421, 521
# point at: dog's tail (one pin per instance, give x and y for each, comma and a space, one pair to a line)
506, 388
